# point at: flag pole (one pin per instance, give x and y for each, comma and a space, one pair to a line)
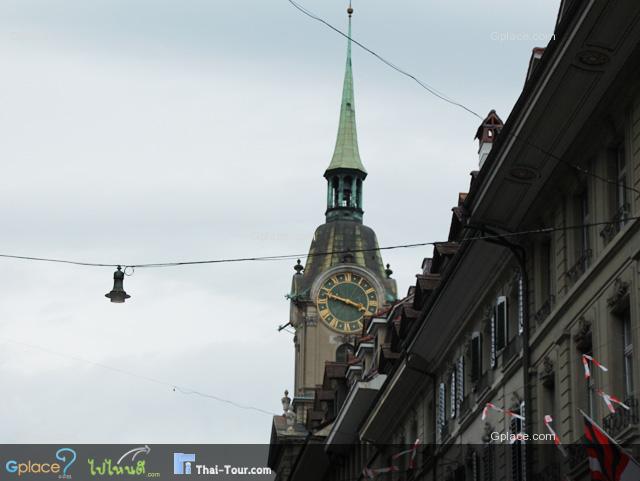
609, 437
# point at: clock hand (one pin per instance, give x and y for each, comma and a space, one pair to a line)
349, 302
338, 298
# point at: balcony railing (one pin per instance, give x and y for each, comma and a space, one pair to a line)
610, 230
551, 472
616, 422
544, 311
579, 268
576, 453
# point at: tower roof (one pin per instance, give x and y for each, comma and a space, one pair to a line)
346, 154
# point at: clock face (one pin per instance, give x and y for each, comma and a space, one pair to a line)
344, 299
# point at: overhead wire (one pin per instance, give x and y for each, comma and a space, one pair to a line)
449, 100
176, 387
541, 230
422, 84
433, 91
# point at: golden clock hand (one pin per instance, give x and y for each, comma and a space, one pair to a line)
341, 299
337, 298
349, 302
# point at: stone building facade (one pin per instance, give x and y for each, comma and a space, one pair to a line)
541, 267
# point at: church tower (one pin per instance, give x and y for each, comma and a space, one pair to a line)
344, 279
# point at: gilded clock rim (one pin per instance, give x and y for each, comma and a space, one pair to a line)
368, 288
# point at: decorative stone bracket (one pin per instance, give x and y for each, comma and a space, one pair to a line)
620, 295
547, 372
583, 338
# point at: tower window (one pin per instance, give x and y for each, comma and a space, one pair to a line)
334, 191
347, 193
343, 351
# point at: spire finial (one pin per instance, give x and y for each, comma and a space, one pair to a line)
346, 154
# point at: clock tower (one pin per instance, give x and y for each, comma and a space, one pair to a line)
344, 279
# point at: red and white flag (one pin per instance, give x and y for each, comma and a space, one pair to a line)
371, 473
507, 412
412, 451
607, 460
610, 400
585, 362
556, 439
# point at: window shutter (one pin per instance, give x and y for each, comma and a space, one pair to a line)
520, 305
441, 406
476, 356
493, 339
475, 472
460, 382
487, 462
501, 315
452, 394
518, 460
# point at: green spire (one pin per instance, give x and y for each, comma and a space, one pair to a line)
346, 154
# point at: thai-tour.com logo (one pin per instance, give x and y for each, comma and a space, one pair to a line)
185, 463
131, 463
58, 465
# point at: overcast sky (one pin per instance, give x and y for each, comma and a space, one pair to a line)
136, 131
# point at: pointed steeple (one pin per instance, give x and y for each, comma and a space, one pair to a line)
346, 173
346, 154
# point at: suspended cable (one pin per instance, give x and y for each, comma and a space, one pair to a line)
447, 99
60, 261
175, 387
422, 84
541, 230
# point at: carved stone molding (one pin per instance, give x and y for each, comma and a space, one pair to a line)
580, 266
547, 372
619, 296
466, 348
583, 338
310, 321
345, 339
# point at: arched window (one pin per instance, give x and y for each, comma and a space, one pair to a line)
347, 200
359, 193
343, 351
334, 191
